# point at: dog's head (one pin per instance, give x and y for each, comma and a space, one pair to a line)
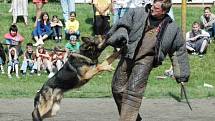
90, 48
46, 103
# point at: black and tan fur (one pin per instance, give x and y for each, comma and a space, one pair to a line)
77, 71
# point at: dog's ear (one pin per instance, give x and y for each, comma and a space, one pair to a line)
86, 39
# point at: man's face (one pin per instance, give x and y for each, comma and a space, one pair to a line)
196, 27
156, 10
207, 13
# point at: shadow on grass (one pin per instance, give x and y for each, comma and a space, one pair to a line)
177, 98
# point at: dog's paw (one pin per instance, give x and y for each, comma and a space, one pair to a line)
105, 67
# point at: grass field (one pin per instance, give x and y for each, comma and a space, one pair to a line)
202, 70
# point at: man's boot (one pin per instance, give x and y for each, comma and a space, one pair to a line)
130, 108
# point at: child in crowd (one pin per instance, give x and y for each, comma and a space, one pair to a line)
58, 57
42, 30
43, 61
2, 58
19, 8
13, 63
29, 60
73, 45
56, 25
13, 39
72, 26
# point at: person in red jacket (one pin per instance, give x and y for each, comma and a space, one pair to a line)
13, 39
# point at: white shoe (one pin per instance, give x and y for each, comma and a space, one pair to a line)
10, 10
51, 74
38, 74
32, 71
9, 76
17, 76
2, 72
36, 44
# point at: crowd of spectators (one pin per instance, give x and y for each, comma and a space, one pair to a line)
36, 58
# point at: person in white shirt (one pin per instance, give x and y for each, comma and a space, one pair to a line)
197, 39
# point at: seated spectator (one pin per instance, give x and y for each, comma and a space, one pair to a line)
56, 26
72, 26
13, 63
208, 21
197, 40
73, 45
29, 60
58, 58
42, 30
13, 39
43, 61
2, 58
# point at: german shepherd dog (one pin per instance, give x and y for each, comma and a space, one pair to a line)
77, 71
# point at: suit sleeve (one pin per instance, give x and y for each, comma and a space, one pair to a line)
179, 58
118, 34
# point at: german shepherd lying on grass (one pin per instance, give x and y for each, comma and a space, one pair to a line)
77, 71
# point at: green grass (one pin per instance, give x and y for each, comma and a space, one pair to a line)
202, 70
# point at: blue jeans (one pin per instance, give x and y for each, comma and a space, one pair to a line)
67, 6
26, 64
35, 33
67, 35
57, 31
118, 13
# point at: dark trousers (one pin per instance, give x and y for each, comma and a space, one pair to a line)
211, 31
102, 25
128, 85
57, 31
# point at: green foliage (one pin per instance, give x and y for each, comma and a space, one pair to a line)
202, 70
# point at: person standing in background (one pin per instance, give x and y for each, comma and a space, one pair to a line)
39, 5
119, 8
68, 6
19, 8
102, 23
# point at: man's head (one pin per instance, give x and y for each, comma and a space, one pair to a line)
195, 26
73, 39
160, 8
207, 11
29, 47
